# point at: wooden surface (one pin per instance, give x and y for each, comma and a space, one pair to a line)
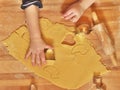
13, 73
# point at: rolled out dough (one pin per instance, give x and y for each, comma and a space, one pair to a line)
73, 66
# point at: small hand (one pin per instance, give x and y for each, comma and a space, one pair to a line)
36, 51
74, 12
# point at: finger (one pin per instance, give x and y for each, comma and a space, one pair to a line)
74, 19
33, 59
47, 46
38, 59
67, 13
42, 56
28, 54
70, 16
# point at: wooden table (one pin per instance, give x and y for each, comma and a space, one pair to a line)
15, 76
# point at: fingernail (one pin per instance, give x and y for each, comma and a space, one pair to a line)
65, 15
62, 16
44, 62
73, 21
39, 65
33, 64
25, 58
66, 18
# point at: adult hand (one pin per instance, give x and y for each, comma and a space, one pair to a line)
74, 12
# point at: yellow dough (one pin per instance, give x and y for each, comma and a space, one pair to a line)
73, 66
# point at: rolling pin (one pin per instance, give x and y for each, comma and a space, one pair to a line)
103, 36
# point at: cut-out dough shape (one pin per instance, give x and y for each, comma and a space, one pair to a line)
69, 40
70, 69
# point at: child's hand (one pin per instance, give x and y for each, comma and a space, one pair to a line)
74, 12
36, 51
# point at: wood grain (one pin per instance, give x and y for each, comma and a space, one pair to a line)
13, 74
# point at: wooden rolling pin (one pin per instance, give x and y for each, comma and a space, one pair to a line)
103, 36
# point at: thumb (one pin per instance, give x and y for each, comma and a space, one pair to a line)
48, 47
